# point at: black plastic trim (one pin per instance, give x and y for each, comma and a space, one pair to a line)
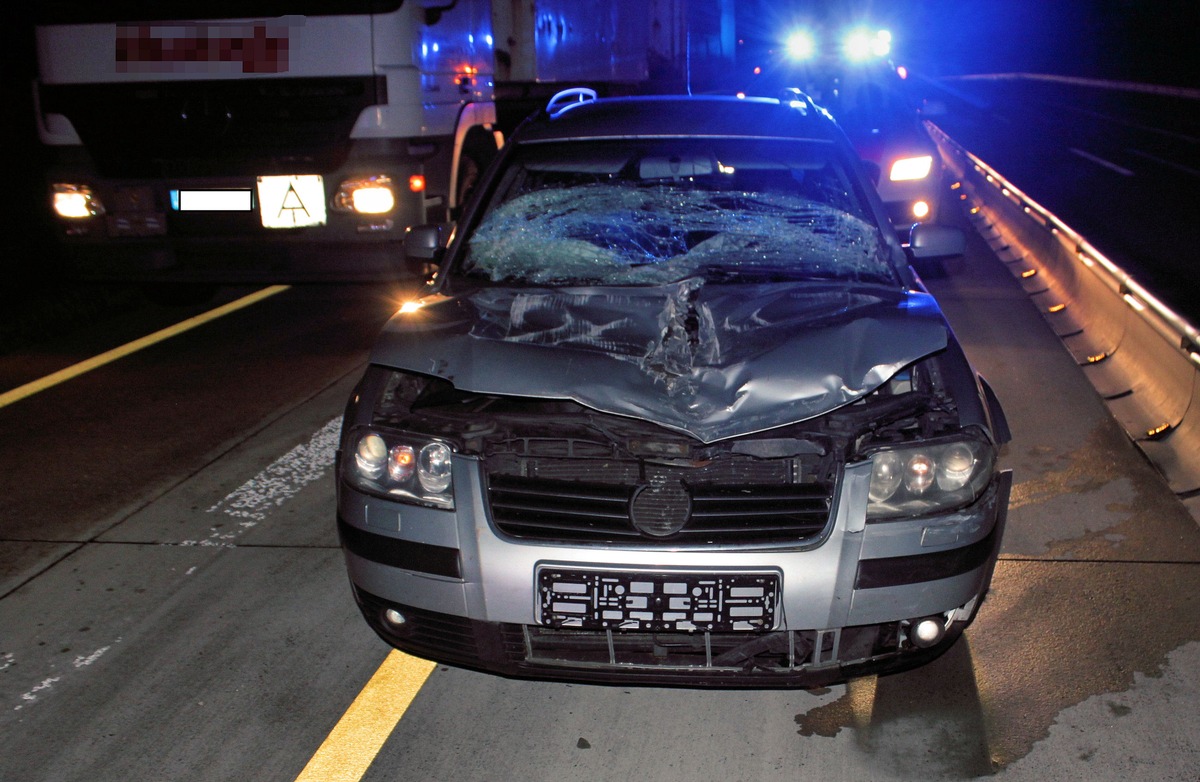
404, 554
918, 568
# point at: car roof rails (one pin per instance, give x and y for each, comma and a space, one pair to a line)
569, 99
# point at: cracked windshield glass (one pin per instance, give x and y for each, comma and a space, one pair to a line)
659, 211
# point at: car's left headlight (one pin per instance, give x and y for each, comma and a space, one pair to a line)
402, 468
929, 477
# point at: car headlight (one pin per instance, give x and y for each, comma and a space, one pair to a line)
401, 468
929, 477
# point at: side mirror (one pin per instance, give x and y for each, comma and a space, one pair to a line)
423, 245
936, 241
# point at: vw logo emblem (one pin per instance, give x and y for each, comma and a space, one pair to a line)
660, 511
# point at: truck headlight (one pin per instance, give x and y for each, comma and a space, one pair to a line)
75, 201
929, 477
909, 168
367, 195
400, 467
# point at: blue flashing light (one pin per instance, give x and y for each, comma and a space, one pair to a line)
861, 44
801, 45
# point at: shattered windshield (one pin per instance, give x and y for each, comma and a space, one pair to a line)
653, 212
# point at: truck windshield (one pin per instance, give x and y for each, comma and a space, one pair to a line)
652, 212
71, 12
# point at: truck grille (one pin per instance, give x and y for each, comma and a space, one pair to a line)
728, 501
253, 126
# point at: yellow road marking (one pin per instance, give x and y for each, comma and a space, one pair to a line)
63, 375
354, 742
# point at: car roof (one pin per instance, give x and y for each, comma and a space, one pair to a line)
680, 115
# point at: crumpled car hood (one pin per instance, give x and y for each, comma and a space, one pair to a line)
714, 361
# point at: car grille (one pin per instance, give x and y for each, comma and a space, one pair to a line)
731, 500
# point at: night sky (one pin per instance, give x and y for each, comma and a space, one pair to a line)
1124, 40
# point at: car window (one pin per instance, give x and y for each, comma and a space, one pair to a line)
651, 212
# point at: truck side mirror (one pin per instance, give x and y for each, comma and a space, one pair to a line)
936, 241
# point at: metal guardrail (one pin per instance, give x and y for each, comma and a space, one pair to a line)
1142, 357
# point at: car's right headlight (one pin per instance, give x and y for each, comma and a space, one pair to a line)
403, 468
929, 476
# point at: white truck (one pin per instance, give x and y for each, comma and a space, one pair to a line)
224, 140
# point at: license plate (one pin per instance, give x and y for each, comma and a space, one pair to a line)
294, 201
212, 200
656, 601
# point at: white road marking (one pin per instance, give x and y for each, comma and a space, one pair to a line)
32, 695
1101, 162
1168, 163
276, 484
250, 502
83, 662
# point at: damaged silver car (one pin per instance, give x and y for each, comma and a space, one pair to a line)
675, 408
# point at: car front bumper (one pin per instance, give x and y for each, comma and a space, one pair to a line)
446, 586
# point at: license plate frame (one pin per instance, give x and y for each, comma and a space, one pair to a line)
658, 601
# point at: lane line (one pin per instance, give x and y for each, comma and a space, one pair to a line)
273, 486
352, 745
1101, 162
1168, 163
63, 375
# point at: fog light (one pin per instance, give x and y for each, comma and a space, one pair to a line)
926, 632
394, 618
